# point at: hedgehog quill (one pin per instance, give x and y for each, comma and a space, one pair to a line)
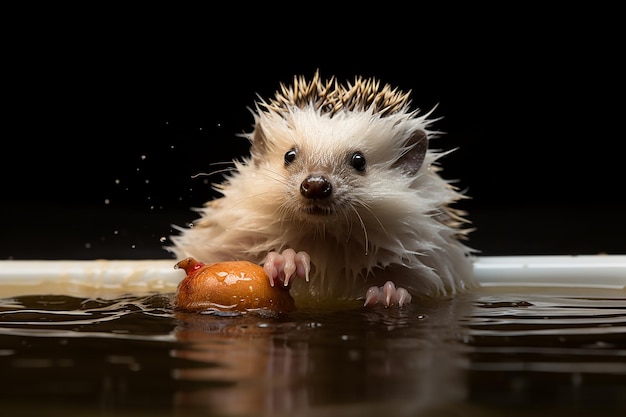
340, 198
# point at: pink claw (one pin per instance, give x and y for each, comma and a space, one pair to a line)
388, 295
403, 297
269, 266
284, 266
389, 292
372, 296
303, 264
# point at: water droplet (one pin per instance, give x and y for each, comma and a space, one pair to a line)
143, 157
87, 245
132, 246
117, 181
115, 232
147, 181
107, 201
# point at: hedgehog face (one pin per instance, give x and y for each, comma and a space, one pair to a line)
334, 166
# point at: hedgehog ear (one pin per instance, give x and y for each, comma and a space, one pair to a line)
413, 159
259, 143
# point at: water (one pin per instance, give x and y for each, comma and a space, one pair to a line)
485, 353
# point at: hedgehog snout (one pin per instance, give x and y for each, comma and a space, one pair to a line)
316, 187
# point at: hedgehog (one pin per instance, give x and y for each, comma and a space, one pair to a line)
340, 198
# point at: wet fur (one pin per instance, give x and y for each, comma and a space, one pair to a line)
392, 221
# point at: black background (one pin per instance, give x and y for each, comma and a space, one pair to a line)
109, 113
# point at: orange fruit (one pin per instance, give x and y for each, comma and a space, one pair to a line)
237, 286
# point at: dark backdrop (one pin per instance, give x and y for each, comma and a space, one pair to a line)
108, 116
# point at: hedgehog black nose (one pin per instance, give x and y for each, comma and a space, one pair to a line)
316, 187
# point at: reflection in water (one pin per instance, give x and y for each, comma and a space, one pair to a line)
486, 353
400, 361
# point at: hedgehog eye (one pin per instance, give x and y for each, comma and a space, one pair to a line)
357, 160
290, 156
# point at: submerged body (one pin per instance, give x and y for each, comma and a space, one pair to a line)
340, 188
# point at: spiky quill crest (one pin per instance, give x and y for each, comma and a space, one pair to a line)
331, 97
396, 222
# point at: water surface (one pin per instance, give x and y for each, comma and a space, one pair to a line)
485, 353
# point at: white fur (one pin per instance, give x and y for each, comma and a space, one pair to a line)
386, 225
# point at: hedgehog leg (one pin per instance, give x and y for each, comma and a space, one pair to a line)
387, 295
283, 266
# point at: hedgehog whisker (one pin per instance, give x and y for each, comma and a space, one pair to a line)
275, 176
212, 173
369, 209
363, 227
348, 221
284, 211
216, 172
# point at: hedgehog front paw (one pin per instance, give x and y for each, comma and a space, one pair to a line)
283, 266
387, 295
